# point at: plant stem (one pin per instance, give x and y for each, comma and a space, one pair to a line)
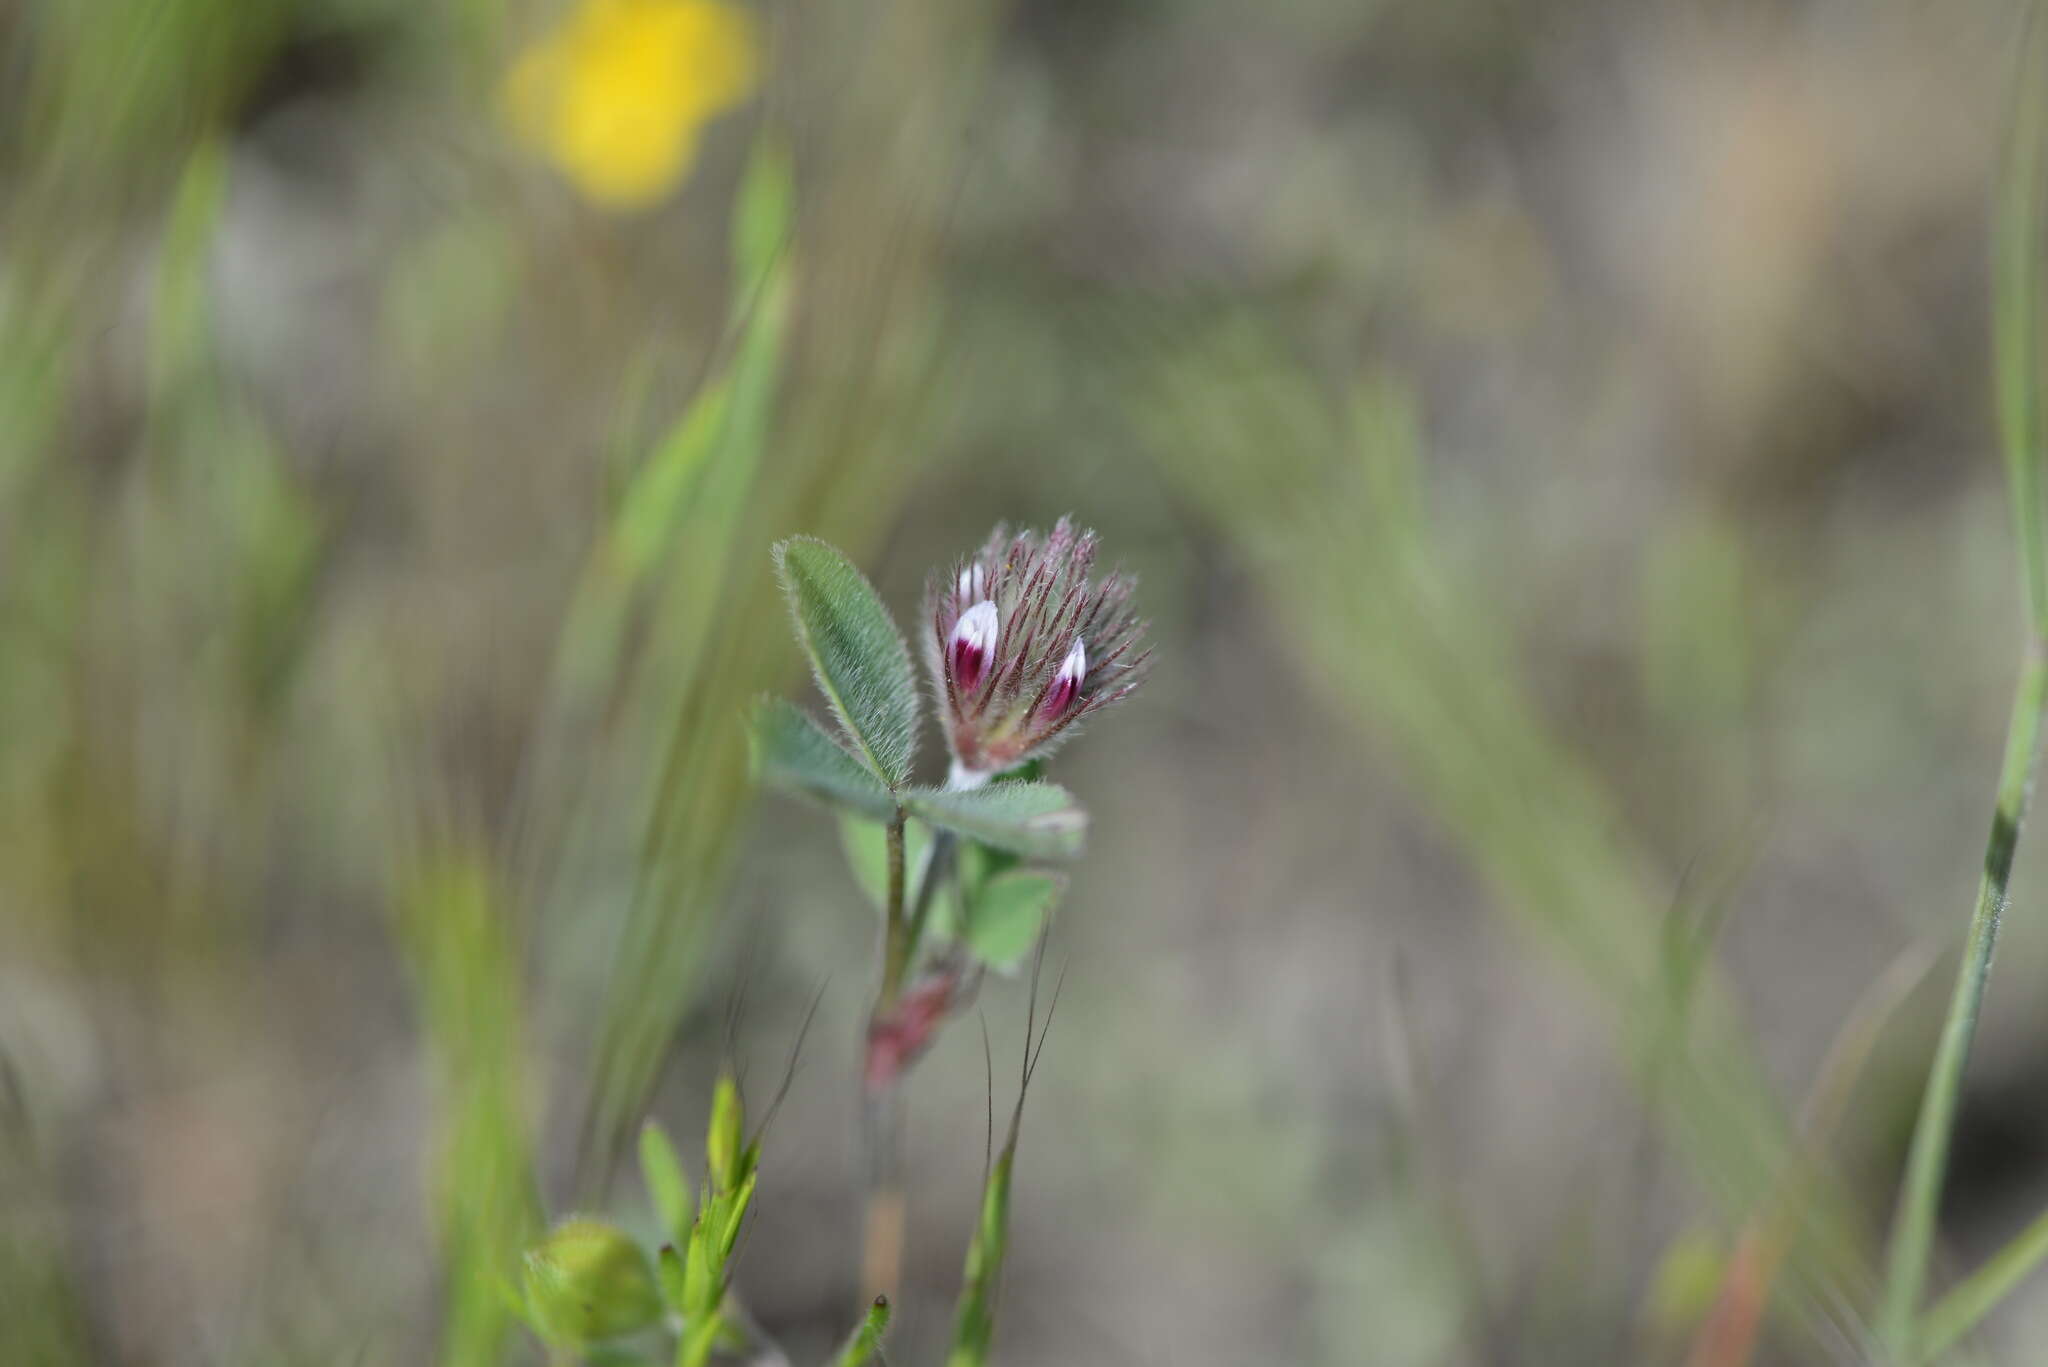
895, 944
881, 1263
1913, 1226
881, 1260
882, 1106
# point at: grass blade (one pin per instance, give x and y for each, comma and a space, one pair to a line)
2016, 308
1957, 1313
866, 1342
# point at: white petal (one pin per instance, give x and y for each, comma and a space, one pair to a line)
978, 626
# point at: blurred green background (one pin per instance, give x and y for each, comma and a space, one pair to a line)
1554, 440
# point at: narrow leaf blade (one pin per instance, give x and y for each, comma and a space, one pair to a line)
662, 1171
974, 1323
866, 1343
859, 657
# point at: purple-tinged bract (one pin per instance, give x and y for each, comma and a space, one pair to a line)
1022, 645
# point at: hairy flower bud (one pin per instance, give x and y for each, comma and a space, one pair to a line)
974, 641
1065, 687
1022, 645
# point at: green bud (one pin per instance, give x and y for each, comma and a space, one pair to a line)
587, 1281
724, 1145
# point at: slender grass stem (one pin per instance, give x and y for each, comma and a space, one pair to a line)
2016, 348
1926, 1164
1957, 1313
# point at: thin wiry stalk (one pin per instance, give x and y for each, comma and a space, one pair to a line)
1957, 1313
1913, 1228
2017, 350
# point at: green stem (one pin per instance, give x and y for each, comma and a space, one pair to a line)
1926, 1164
882, 1253
896, 945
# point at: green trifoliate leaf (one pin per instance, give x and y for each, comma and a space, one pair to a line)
662, 1171
1006, 913
1036, 820
587, 1281
794, 753
859, 657
867, 854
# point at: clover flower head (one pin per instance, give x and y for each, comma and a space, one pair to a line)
1022, 645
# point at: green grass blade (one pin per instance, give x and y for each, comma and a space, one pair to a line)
452, 927
866, 1342
2016, 317
1959, 1312
667, 1187
2016, 307
975, 1322
762, 214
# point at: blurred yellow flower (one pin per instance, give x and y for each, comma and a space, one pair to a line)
618, 94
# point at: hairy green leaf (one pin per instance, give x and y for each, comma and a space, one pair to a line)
859, 658
793, 752
1036, 820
